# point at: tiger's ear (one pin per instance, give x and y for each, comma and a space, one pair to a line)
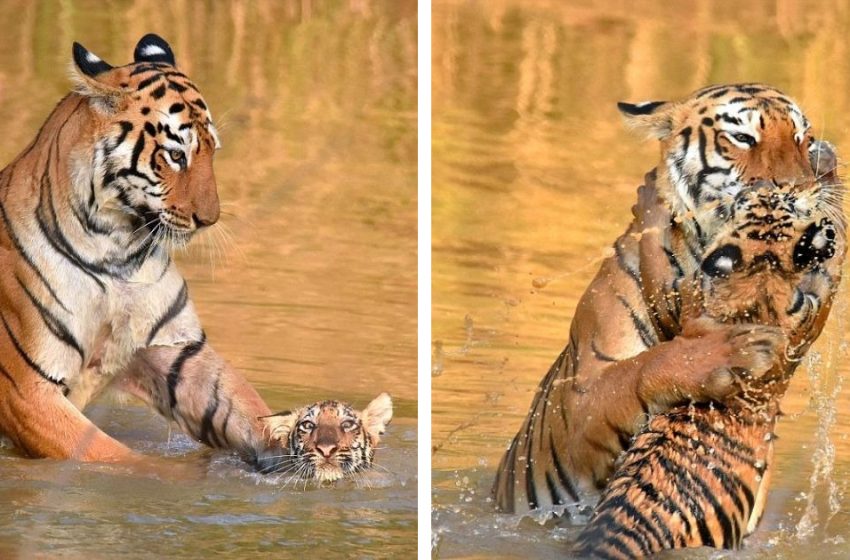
377, 415
653, 119
90, 74
153, 48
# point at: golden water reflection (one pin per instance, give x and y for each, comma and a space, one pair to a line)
308, 284
534, 177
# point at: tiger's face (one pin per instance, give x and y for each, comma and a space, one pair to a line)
722, 139
329, 440
152, 161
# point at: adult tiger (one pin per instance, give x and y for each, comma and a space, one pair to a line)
629, 354
120, 172
699, 475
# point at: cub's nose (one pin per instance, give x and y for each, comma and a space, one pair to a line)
327, 450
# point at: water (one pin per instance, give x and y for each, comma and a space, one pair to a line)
308, 285
534, 177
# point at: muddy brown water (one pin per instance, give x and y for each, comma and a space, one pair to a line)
308, 285
534, 177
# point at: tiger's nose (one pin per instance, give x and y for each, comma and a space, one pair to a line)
327, 450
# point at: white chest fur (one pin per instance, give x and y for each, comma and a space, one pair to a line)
150, 309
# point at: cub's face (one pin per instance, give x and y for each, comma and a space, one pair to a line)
724, 138
329, 439
152, 158
763, 265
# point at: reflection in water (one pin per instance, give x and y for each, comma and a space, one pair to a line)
534, 177
308, 284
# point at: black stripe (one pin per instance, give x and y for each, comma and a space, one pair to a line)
621, 260
647, 335
613, 530
20, 248
176, 369
687, 492
208, 434
601, 356
148, 81
29, 361
553, 491
564, 478
173, 310
60, 244
54, 325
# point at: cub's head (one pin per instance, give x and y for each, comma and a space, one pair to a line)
329, 439
151, 162
758, 267
723, 138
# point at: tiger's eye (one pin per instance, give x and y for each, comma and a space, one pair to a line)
348, 425
307, 426
177, 156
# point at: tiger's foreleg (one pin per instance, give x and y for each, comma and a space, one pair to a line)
194, 386
42, 423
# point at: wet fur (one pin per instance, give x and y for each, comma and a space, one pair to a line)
633, 350
699, 475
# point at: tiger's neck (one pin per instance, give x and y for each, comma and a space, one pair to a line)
53, 190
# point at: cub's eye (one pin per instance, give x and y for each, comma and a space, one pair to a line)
177, 156
348, 425
744, 139
306, 426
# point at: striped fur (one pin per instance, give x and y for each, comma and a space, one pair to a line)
699, 475
119, 173
328, 440
633, 350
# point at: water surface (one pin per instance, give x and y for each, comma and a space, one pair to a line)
534, 177
308, 284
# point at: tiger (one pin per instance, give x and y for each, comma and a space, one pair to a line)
328, 440
698, 475
631, 353
119, 175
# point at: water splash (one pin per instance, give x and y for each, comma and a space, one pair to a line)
826, 383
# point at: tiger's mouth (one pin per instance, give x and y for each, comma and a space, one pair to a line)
168, 230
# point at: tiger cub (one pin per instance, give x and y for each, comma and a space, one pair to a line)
327, 440
698, 475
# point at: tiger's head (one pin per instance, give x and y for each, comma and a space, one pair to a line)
329, 440
151, 162
722, 139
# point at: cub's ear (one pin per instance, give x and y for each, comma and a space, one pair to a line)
153, 48
278, 426
653, 119
377, 415
90, 73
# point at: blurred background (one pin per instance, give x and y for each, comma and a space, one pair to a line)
533, 178
308, 283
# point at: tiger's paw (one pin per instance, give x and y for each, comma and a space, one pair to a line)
732, 353
710, 361
650, 211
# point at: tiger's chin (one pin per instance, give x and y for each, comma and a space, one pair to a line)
327, 473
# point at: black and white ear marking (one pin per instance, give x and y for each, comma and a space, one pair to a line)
723, 261
153, 48
89, 63
645, 108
